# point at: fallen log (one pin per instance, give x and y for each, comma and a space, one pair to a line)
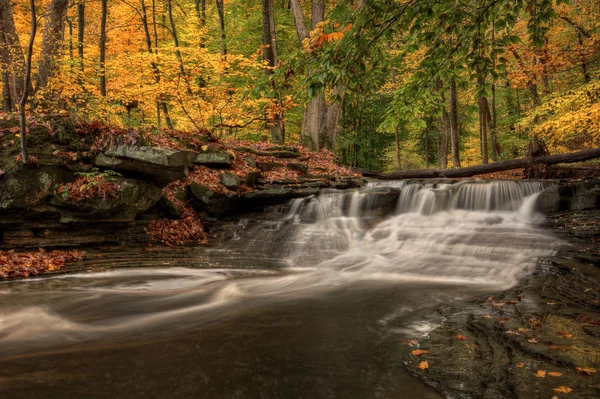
471, 171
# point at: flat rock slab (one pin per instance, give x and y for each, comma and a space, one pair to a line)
161, 165
213, 159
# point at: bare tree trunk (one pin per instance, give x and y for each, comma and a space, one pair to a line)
444, 125
54, 27
221, 12
533, 89
27, 84
200, 6
454, 124
80, 31
11, 57
155, 70
271, 57
397, 139
102, 46
584, 67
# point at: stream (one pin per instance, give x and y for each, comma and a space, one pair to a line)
309, 293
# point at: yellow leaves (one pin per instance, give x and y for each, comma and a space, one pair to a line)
423, 365
562, 389
540, 374
419, 352
586, 370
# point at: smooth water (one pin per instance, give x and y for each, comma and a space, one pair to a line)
322, 285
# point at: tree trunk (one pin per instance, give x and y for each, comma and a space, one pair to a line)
489, 168
80, 31
426, 139
584, 67
155, 70
221, 12
533, 89
200, 6
298, 14
397, 139
27, 84
483, 119
454, 124
11, 58
102, 46
54, 27
271, 58
443, 129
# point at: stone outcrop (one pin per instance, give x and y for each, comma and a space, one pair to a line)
160, 165
213, 159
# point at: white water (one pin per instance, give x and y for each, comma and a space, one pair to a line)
474, 234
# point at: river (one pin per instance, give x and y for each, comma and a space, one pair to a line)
310, 294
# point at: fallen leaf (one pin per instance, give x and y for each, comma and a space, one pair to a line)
419, 352
410, 342
521, 329
562, 389
511, 332
511, 302
533, 341
558, 348
586, 370
565, 334
487, 316
540, 374
423, 365
520, 365
461, 337
554, 374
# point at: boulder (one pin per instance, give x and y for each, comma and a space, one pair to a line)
23, 192
250, 161
266, 166
133, 198
252, 178
214, 159
230, 180
161, 165
174, 208
210, 201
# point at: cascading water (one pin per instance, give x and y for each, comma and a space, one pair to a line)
368, 256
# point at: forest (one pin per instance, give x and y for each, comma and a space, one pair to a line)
386, 85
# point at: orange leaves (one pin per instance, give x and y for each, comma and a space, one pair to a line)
554, 374
89, 187
586, 370
16, 265
461, 337
540, 374
520, 365
423, 365
419, 352
562, 389
187, 229
565, 334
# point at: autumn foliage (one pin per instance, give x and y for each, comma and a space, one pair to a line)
17, 265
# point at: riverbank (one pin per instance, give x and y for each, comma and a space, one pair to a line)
539, 339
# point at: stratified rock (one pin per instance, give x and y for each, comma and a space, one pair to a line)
266, 166
230, 180
210, 201
379, 201
161, 165
133, 198
299, 167
548, 200
214, 159
342, 185
269, 194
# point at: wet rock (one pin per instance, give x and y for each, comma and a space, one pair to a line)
230, 180
210, 201
161, 165
214, 159
299, 167
356, 182
548, 200
579, 202
133, 198
379, 201
342, 185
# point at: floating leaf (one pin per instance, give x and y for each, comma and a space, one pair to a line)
533, 341
461, 337
520, 365
540, 374
562, 389
586, 370
419, 352
554, 374
423, 365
